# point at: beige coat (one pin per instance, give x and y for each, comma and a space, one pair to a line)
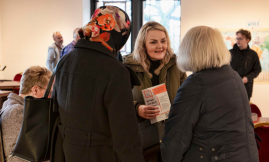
53, 57
169, 74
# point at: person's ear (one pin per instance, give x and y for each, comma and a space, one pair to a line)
34, 90
248, 40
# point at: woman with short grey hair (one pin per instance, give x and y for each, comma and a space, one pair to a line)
33, 83
210, 118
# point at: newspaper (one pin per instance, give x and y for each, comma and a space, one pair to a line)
158, 96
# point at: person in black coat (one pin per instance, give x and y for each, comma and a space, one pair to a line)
210, 118
94, 95
245, 61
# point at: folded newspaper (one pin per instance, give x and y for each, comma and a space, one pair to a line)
158, 96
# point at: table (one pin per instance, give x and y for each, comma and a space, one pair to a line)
9, 85
3, 97
261, 121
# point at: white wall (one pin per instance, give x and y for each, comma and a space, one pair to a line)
27, 28
229, 14
222, 13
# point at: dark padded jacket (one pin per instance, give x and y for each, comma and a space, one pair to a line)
210, 120
247, 64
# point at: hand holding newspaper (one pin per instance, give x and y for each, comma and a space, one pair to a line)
158, 96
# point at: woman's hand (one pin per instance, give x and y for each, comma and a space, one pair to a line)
148, 112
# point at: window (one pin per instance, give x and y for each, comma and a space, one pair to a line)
168, 14
125, 5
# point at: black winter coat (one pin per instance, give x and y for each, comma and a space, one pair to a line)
247, 64
210, 120
98, 118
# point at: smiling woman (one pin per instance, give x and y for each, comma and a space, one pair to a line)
151, 33
156, 45
154, 62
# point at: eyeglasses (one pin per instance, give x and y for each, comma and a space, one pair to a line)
50, 93
240, 38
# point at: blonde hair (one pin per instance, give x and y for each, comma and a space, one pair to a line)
32, 76
202, 48
139, 53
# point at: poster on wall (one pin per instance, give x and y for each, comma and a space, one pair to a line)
259, 43
254, 24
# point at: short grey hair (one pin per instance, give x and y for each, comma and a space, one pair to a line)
35, 75
202, 48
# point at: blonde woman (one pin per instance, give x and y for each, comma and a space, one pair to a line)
210, 119
154, 62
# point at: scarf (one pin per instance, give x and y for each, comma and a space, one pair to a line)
110, 26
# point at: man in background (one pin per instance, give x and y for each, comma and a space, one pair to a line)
71, 46
244, 60
54, 51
